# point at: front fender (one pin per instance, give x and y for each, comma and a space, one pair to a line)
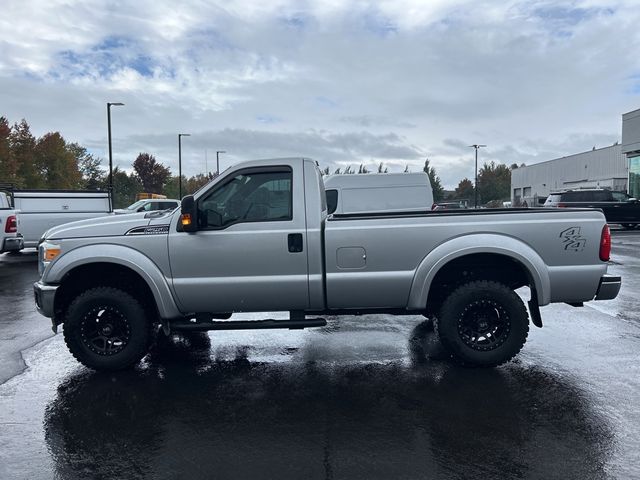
478, 243
121, 255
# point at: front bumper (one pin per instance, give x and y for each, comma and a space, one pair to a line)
44, 296
608, 288
13, 244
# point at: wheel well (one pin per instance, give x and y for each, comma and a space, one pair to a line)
102, 274
477, 266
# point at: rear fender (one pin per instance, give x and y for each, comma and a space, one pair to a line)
479, 243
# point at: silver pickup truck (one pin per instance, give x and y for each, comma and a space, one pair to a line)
258, 238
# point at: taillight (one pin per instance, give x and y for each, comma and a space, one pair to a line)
12, 224
562, 205
605, 244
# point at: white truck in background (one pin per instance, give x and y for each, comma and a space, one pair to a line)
39, 210
10, 241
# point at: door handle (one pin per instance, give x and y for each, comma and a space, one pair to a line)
295, 242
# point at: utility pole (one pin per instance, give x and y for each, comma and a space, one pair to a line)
109, 105
180, 135
475, 190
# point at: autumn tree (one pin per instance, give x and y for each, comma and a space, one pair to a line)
152, 174
55, 163
436, 185
464, 190
494, 182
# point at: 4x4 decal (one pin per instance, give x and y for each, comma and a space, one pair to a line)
572, 240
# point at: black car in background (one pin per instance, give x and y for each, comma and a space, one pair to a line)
618, 207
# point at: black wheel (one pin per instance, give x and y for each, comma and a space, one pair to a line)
107, 329
483, 323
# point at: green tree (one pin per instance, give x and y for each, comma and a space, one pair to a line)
125, 188
55, 163
436, 185
8, 166
464, 190
93, 176
23, 145
494, 182
152, 174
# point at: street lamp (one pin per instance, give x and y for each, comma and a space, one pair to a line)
218, 161
180, 135
476, 146
109, 105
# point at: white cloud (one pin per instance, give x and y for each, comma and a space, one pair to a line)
359, 82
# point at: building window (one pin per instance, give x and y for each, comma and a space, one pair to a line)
526, 192
634, 177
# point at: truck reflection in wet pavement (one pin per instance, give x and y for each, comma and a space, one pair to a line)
186, 414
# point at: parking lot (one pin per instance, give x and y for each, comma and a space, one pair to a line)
355, 399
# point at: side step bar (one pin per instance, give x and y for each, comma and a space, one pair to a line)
298, 324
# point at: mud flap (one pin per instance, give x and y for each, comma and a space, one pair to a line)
534, 309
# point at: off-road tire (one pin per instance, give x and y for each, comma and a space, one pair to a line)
482, 324
106, 328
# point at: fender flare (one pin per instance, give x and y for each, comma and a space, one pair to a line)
120, 255
478, 243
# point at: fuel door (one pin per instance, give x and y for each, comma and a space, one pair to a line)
351, 257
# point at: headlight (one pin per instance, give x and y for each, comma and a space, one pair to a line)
47, 252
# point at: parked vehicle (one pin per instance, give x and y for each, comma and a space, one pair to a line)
10, 240
378, 192
149, 206
258, 238
39, 210
448, 206
147, 195
618, 207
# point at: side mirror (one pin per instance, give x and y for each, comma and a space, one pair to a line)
189, 215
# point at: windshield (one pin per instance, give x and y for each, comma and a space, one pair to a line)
136, 205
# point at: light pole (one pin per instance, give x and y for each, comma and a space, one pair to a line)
180, 135
475, 190
109, 105
218, 152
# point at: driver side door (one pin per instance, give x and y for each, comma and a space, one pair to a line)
249, 251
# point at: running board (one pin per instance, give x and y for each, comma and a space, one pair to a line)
246, 324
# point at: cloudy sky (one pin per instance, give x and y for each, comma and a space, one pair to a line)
341, 82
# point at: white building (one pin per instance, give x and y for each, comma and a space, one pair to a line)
604, 167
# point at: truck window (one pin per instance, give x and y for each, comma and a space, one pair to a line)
332, 200
620, 197
248, 197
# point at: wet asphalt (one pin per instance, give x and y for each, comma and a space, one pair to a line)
358, 398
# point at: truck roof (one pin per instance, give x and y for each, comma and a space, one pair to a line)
376, 180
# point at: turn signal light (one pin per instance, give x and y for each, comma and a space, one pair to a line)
185, 218
605, 244
50, 253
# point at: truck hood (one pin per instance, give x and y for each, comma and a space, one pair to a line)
108, 226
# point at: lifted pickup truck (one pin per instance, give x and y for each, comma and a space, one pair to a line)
258, 238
